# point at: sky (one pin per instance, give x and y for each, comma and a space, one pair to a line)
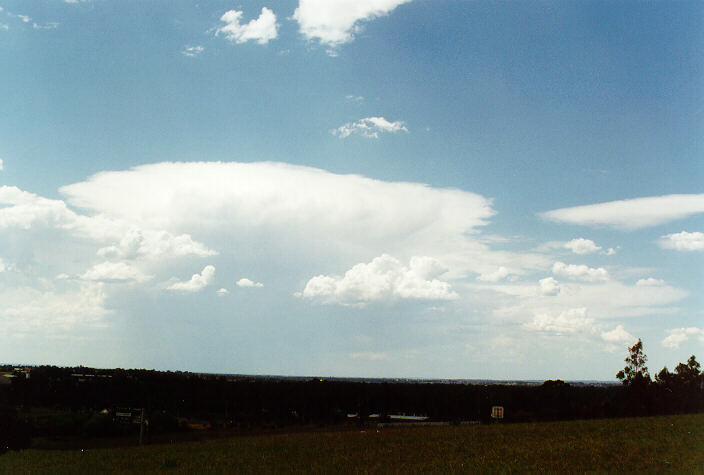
363, 188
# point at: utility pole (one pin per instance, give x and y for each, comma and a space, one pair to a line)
141, 428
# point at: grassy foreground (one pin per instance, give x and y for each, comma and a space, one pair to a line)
652, 444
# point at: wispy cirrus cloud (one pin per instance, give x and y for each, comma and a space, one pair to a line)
192, 51
630, 214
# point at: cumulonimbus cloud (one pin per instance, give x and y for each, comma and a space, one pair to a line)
313, 208
630, 214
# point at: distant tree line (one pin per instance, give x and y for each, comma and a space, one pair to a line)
85, 402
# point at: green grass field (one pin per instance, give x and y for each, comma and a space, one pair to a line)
673, 443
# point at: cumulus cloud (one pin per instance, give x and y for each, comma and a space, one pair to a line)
494, 276
631, 214
334, 22
549, 286
245, 282
261, 30
154, 245
573, 320
114, 272
683, 241
197, 282
369, 127
222, 292
650, 282
383, 279
618, 336
582, 246
192, 51
677, 336
0, 164
580, 272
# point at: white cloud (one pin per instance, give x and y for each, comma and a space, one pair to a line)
24, 18
683, 241
197, 282
383, 279
26, 309
2, 266
262, 30
677, 336
618, 336
582, 246
333, 22
650, 282
154, 245
580, 272
609, 252
369, 127
574, 320
192, 50
231, 203
222, 292
3, 26
114, 272
27, 210
549, 286
353, 98
245, 282
1, 164
494, 276
631, 214
46, 26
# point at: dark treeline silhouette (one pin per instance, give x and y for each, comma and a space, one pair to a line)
49, 401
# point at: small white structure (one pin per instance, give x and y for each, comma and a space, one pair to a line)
497, 412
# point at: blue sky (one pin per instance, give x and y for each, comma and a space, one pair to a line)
352, 188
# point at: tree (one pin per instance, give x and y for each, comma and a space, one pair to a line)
688, 373
635, 372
